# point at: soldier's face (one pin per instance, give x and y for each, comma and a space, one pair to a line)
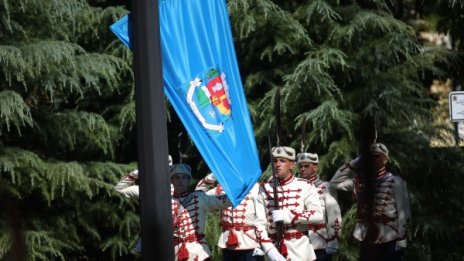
181, 182
379, 160
307, 170
283, 167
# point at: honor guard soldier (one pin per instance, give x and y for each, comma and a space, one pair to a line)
238, 237
284, 211
383, 229
127, 187
189, 237
324, 237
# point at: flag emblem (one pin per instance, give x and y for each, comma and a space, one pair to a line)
208, 98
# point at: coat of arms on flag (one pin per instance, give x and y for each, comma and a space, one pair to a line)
209, 99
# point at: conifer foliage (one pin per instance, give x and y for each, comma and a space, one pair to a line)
339, 64
65, 111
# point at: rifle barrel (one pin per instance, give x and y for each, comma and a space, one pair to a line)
275, 184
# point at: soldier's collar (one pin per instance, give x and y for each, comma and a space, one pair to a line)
381, 173
312, 179
181, 195
286, 180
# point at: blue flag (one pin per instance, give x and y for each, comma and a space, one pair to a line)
122, 30
202, 82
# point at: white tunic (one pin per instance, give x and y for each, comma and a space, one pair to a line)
391, 205
189, 230
239, 220
126, 187
301, 206
326, 234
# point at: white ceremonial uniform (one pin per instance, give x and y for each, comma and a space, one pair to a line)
326, 234
391, 205
189, 238
127, 188
299, 201
237, 224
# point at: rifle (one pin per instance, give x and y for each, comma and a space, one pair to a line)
275, 184
277, 115
303, 133
182, 146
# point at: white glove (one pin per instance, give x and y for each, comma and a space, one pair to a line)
134, 174
258, 252
274, 255
277, 215
210, 178
331, 250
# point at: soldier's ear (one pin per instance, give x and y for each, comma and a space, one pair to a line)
292, 164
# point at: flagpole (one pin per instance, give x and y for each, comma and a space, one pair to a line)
155, 199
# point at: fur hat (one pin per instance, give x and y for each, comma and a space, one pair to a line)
283, 152
379, 148
308, 158
180, 168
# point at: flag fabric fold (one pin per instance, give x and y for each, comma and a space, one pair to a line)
202, 82
121, 30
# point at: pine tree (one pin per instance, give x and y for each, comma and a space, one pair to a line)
66, 122
339, 64
438, 183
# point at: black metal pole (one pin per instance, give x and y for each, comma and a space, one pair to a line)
155, 199
457, 139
